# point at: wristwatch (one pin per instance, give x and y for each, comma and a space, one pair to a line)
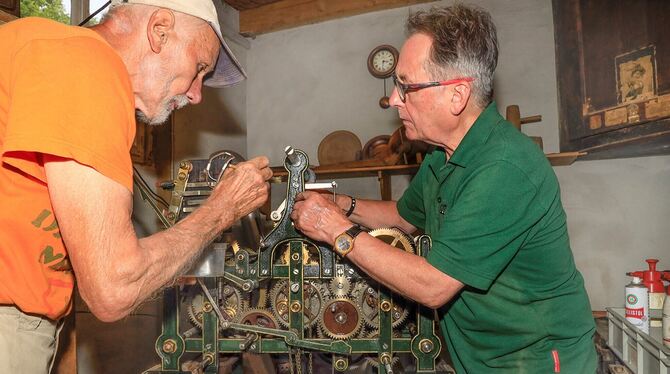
344, 242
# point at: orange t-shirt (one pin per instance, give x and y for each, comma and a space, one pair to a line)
63, 91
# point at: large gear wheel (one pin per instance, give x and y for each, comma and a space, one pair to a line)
313, 301
258, 317
395, 238
340, 286
230, 307
341, 319
368, 300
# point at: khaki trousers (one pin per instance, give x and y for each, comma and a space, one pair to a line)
27, 342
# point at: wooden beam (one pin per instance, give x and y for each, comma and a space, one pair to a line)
287, 14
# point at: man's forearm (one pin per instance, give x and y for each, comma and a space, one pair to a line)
375, 213
167, 254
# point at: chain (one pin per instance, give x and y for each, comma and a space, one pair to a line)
290, 359
298, 362
309, 363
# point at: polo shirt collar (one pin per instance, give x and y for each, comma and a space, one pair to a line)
478, 134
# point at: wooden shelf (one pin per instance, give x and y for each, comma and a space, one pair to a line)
564, 158
325, 172
384, 172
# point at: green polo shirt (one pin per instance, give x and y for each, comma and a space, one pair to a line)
497, 224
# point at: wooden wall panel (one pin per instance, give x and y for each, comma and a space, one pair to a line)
9, 6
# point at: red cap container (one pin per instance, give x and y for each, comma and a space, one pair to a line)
651, 278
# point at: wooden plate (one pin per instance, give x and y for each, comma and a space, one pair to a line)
376, 148
339, 146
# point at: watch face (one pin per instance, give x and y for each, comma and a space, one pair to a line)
343, 243
383, 61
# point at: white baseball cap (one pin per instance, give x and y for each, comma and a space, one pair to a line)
228, 70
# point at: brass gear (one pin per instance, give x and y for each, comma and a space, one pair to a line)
230, 307
341, 318
368, 300
235, 245
395, 238
259, 298
313, 301
309, 252
340, 286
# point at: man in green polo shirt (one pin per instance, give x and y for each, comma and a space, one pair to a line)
500, 271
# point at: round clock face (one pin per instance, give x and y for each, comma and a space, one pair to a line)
382, 61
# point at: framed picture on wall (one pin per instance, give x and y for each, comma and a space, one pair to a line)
613, 73
636, 75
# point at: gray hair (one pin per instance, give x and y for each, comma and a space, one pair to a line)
464, 43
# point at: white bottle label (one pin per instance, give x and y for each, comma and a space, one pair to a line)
637, 307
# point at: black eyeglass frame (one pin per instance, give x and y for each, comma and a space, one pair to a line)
404, 88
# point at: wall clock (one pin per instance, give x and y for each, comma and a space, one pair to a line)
382, 61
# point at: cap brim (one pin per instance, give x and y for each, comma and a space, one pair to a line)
228, 70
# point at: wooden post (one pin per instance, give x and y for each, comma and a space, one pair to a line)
385, 185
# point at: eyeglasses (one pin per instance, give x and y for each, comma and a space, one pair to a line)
404, 88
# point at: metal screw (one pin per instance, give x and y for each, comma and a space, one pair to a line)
296, 271
341, 364
169, 346
351, 271
295, 257
341, 318
426, 346
326, 271
264, 271
295, 287
385, 346
207, 307
385, 306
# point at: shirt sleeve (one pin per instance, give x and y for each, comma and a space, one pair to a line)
410, 205
70, 98
487, 224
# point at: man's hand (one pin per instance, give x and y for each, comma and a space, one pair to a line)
243, 188
319, 217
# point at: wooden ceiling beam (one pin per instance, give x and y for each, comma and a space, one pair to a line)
286, 14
